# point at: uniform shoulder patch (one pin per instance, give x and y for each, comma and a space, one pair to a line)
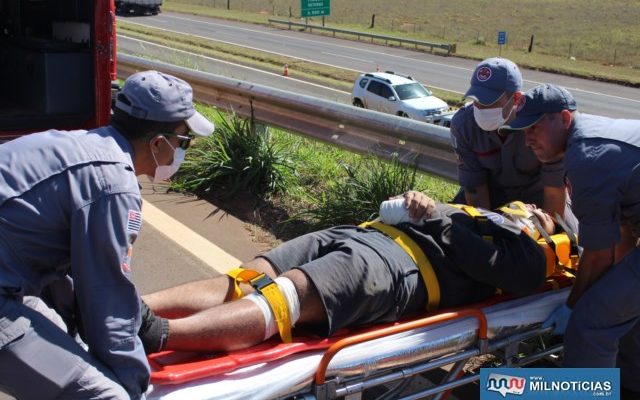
134, 221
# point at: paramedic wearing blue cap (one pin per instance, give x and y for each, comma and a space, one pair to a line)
493, 168
602, 161
70, 207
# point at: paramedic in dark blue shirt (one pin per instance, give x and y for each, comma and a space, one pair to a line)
493, 168
70, 206
602, 161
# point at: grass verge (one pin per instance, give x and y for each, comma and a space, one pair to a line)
294, 184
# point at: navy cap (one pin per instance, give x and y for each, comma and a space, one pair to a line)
156, 96
537, 102
491, 78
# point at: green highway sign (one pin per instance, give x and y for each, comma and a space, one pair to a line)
315, 8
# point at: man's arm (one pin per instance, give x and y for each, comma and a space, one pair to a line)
554, 200
593, 264
478, 196
102, 233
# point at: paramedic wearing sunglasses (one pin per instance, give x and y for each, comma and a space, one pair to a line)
69, 213
424, 256
602, 160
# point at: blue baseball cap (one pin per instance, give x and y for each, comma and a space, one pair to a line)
491, 78
156, 96
536, 102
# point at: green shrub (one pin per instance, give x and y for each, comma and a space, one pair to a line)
357, 197
238, 157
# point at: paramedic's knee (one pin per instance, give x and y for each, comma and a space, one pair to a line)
311, 308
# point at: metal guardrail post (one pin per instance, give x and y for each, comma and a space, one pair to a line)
416, 143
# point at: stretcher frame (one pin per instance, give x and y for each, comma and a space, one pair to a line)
507, 349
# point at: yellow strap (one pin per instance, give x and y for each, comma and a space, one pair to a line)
270, 290
519, 210
415, 252
475, 214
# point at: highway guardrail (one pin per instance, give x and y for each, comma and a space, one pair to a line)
449, 48
414, 143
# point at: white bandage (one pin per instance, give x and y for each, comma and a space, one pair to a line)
293, 302
288, 290
270, 327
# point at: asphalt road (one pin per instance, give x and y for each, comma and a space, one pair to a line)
448, 73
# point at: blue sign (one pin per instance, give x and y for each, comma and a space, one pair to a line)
502, 38
549, 383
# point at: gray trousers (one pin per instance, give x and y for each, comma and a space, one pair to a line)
39, 360
604, 328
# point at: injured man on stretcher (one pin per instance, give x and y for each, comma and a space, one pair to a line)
445, 256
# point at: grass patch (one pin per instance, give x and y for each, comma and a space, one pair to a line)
294, 184
603, 37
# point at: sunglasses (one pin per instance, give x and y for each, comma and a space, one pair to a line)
185, 140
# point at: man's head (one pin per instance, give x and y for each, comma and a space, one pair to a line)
530, 218
158, 97
155, 112
545, 116
495, 90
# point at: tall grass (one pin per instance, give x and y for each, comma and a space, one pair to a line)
357, 196
239, 157
306, 183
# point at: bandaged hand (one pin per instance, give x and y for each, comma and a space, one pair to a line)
559, 319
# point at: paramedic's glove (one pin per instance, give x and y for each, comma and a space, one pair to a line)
154, 330
559, 319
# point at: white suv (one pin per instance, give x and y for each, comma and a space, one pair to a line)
397, 94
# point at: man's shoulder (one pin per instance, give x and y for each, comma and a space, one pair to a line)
463, 121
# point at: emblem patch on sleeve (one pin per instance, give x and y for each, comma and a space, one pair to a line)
134, 221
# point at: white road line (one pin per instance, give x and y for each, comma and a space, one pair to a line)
233, 64
374, 52
246, 47
207, 252
343, 56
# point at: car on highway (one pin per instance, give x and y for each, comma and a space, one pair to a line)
397, 94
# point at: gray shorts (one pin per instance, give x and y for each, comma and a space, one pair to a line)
362, 275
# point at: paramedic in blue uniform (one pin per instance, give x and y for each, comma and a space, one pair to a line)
70, 206
494, 168
602, 161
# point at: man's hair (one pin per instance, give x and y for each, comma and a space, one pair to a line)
135, 128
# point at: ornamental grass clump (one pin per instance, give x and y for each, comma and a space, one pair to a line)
239, 157
357, 197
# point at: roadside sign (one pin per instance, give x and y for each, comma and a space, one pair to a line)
502, 38
315, 8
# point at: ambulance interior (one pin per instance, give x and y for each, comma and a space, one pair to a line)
46, 64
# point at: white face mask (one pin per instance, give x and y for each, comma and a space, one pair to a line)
490, 119
164, 172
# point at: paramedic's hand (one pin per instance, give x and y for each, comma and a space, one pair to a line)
419, 205
559, 319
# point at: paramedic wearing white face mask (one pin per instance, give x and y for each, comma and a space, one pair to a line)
84, 230
494, 169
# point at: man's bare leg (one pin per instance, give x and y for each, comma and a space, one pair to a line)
189, 298
239, 324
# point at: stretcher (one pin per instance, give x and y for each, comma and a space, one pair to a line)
349, 363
